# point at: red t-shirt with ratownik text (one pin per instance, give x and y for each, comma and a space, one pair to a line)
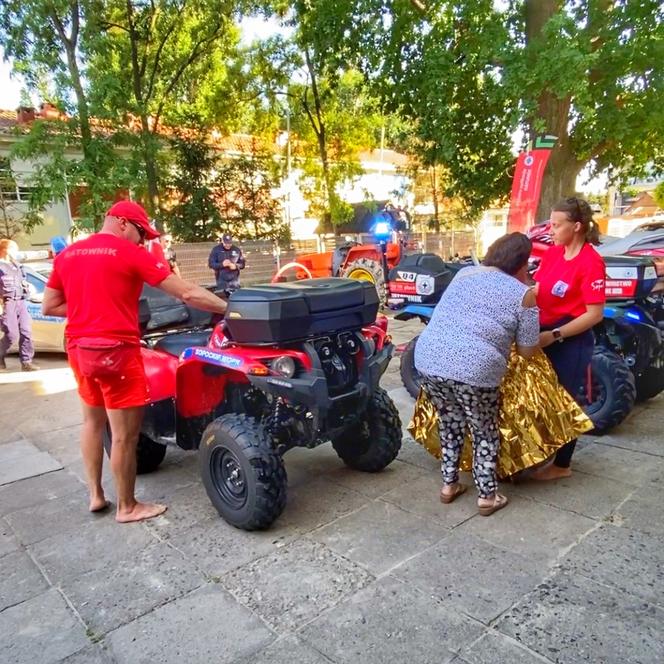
566, 287
102, 278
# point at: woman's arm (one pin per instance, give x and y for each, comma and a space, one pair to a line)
528, 326
593, 315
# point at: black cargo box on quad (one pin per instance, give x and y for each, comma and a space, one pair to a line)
419, 278
629, 277
281, 313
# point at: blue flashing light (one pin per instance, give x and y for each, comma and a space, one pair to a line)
633, 315
382, 230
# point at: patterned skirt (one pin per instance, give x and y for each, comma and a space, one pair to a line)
537, 417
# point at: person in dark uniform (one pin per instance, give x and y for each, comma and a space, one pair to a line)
15, 320
166, 242
226, 260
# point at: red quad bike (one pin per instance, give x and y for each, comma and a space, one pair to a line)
291, 365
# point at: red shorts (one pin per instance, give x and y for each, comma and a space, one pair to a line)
124, 386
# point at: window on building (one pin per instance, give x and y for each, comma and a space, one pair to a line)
10, 190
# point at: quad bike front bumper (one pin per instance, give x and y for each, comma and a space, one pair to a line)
311, 389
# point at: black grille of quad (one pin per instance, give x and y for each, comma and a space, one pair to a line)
337, 357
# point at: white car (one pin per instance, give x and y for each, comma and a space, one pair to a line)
48, 332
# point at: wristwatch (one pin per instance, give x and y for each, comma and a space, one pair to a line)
557, 335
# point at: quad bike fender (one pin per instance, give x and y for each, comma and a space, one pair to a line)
160, 371
410, 311
631, 332
204, 373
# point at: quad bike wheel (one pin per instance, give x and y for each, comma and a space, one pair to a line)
244, 477
375, 443
651, 382
410, 376
365, 269
149, 454
613, 390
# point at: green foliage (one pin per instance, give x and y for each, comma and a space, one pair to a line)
156, 64
243, 192
658, 195
214, 194
467, 74
60, 170
14, 219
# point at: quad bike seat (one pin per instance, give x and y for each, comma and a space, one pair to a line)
174, 344
158, 310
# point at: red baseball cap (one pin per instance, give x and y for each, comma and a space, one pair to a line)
134, 212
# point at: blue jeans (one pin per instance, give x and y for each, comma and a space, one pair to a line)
571, 359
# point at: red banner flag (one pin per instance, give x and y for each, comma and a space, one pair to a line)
527, 184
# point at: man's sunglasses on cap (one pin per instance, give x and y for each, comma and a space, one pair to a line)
139, 228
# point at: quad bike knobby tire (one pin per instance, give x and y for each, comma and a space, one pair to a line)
651, 382
374, 443
244, 477
410, 376
613, 390
365, 269
149, 454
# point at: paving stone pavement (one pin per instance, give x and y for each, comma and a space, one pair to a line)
359, 568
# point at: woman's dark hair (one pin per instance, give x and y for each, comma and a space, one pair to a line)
579, 211
509, 253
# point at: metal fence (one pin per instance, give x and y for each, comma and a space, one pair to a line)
263, 257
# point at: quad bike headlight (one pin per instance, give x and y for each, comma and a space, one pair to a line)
284, 366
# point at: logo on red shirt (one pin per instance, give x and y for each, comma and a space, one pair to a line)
559, 289
597, 285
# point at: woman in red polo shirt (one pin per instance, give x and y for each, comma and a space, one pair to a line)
570, 295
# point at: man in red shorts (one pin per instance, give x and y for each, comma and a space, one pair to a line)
96, 283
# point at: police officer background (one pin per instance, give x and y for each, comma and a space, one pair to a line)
226, 260
15, 321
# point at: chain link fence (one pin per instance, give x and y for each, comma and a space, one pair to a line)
263, 258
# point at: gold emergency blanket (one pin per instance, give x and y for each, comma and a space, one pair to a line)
537, 416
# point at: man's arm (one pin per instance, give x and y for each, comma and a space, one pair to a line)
54, 303
193, 295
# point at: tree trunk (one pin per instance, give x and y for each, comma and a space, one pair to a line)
70, 45
318, 125
553, 113
434, 195
147, 138
559, 181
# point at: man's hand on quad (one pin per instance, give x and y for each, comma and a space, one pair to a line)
193, 295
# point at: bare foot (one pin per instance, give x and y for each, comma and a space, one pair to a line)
140, 512
99, 504
551, 472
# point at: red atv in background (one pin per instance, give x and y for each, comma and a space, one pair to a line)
291, 365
